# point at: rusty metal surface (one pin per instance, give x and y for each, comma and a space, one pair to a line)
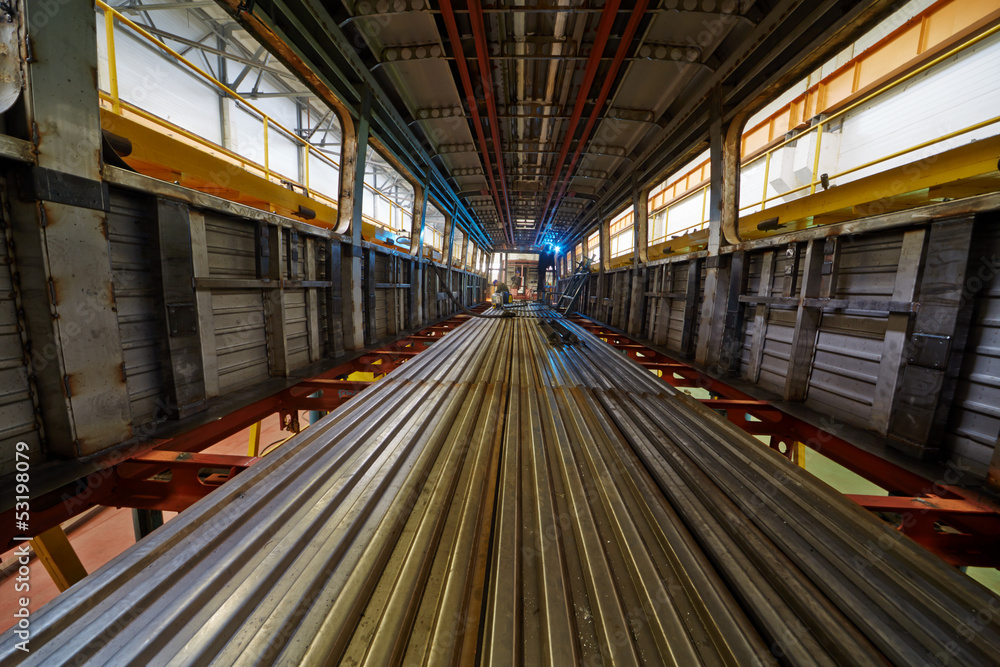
501, 500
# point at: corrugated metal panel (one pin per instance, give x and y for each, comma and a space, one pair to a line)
756, 265
321, 261
777, 348
231, 247
241, 339
296, 329
240, 332
381, 302
696, 331
778, 335
677, 307
17, 407
845, 368
139, 320
974, 424
849, 346
868, 266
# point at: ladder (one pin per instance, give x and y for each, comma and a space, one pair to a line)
567, 300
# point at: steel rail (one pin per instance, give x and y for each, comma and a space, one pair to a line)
505, 499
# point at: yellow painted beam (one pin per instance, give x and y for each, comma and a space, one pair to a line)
876, 194
199, 168
254, 440
57, 555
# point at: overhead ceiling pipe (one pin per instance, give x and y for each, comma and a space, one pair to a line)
608, 15
463, 70
486, 74
623, 47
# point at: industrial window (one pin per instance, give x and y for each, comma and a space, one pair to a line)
622, 238
434, 230
458, 247
388, 198
594, 246
298, 146
679, 205
800, 144
578, 254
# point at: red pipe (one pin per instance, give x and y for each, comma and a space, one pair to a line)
485, 73
623, 46
608, 15
463, 70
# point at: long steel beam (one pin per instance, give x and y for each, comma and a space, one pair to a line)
454, 37
506, 500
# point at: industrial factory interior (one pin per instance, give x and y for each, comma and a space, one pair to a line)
516, 332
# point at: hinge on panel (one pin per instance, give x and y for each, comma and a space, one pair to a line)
69, 392
52, 292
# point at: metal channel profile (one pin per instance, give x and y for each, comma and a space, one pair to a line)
499, 500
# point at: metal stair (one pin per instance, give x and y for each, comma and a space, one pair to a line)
567, 300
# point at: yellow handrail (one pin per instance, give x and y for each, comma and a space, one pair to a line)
703, 191
872, 163
111, 14
819, 128
177, 56
245, 163
109, 32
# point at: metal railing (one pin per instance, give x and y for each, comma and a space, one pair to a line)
269, 124
667, 232
119, 106
820, 127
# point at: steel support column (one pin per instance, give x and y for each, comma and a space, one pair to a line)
713, 307
354, 335
64, 257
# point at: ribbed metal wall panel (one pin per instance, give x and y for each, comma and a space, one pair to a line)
850, 343
231, 247
240, 332
240, 336
676, 330
296, 328
381, 302
17, 407
129, 225
777, 347
974, 425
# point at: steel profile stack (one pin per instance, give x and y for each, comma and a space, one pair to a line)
503, 499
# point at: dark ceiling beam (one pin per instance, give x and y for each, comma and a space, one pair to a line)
791, 40
609, 79
451, 26
486, 75
720, 8
608, 16
668, 57
302, 35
